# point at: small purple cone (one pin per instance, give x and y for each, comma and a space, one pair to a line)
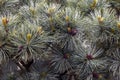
73, 32
20, 48
95, 75
66, 56
89, 56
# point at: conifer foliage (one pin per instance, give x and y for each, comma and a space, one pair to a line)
59, 40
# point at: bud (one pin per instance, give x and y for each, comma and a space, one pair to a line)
50, 19
69, 29
50, 10
39, 30
51, 24
112, 30
100, 19
94, 4
67, 18
29, 37
4, 21
52, 28
32, 10
118, 25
